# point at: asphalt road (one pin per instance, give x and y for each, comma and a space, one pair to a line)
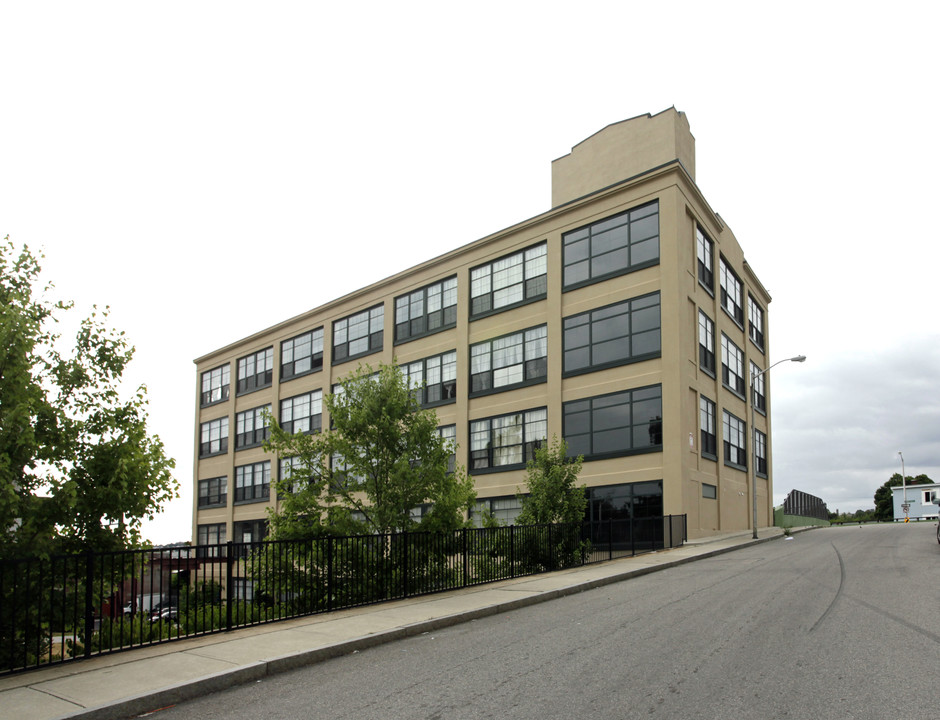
833, 623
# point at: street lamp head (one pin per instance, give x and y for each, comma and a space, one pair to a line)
798, 358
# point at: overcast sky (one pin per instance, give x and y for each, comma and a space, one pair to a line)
168, 157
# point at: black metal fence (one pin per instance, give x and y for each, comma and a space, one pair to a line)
66, 608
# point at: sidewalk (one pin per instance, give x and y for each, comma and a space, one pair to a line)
129, 683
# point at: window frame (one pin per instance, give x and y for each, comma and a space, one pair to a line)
728, 372
758, 388
446, 290
596, 318
375, 338
291, 462
706, 354
258, 434
731, 302
533, 283
223, 424
204, 535
315, 357
534, 369
251, 383
449, 434
531, 419
511, 507
443, 389
314, 398
760, 453
223, 388
705, 251
592, 232
596, 405
734, 429
708, 428
221, 492
253, 492
755, 330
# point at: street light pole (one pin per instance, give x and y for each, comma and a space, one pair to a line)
753, 470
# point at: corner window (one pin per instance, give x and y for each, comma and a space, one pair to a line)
302, 354
621, 423
255, 371
426, 311
732, 293
755, 323
735, 441
707, 429
213, 437
507, 441
359, 334
509, 361
706, 343
732, 366
510, 281
706, 262
252, 484
617, 334
612, 246
213, 492
215, 385
251, 427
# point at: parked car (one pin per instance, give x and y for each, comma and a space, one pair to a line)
936, 501
165, 614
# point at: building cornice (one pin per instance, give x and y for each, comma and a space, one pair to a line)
368, 292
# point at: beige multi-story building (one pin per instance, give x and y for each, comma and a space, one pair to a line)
625, 320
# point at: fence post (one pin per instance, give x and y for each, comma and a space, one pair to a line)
89, 600
512, 551
466, 559
404, 563
551, 550
229, 583
329, 572
610, 538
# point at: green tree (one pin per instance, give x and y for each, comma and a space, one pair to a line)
553, 494
78, 468
382, 457
554, 508
884, 503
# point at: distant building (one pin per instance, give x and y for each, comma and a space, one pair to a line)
919, 500
625, 320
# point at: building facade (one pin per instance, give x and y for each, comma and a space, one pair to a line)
919, 500
625, 320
